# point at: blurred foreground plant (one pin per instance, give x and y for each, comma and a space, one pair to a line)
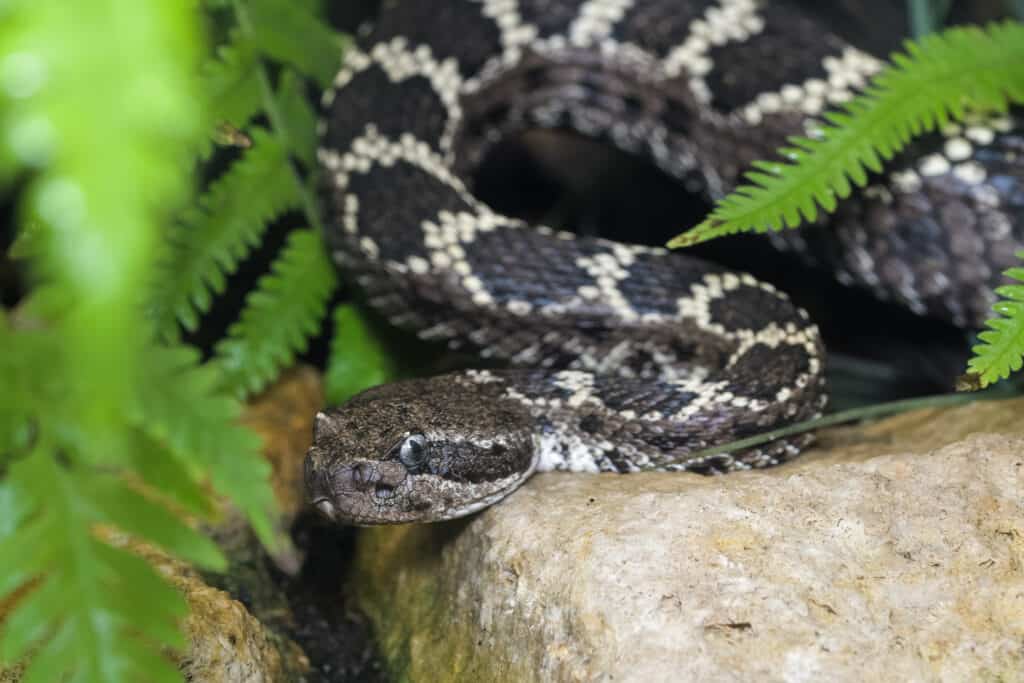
100, 426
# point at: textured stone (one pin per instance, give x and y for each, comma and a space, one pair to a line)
283, 417
227, 644
897, 555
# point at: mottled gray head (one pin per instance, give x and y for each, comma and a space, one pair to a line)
422, 450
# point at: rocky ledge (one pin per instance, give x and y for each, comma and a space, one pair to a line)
893, 551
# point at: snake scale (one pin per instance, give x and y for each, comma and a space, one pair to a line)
619, 358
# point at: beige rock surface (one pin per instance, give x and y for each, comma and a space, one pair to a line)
896, 552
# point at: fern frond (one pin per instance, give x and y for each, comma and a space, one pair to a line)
293, 50
358, 358
279, 317
181, 405
215, 236
929, 85
22, 355
1002, 346
230, 84
94, 610
297, 117
289, 33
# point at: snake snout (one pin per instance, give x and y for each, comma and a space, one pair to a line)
380, 478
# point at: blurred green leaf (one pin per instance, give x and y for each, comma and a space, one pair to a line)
291, 34
358, 359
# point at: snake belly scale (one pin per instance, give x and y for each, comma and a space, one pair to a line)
620, 357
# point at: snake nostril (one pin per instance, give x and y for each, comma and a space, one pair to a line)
362, 476
359, 475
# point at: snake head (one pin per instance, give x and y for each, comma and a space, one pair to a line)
418, 451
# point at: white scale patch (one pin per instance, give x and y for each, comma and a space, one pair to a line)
446, 237
697, 306
608, 271
955, 157
596, 20
732, 21
846, 73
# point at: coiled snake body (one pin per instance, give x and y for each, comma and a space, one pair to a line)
623, 357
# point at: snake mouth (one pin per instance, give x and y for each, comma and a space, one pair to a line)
325, 507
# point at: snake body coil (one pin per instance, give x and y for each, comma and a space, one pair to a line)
624, 357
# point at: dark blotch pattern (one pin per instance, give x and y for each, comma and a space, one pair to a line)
413, 106
550, 18
656, 26
591, 424
533, 267
652, 275
749, 307
465, 35
641, 396
758, 372
423, 197
789, 50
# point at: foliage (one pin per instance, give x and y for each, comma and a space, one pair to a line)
921, 90
938, 79
281, 314
110, 427
359, 358
1002, 347
275, 125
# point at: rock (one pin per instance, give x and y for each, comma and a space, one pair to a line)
227, 644
896, 555
283, 417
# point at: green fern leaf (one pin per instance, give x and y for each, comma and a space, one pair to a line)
358, 357
169, 478
21, 355
230, 82
297, 118
230, 220
96, 610
291, 34
924, 88
180, 405
1002, 346
279, 317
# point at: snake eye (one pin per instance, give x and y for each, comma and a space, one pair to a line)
413, 451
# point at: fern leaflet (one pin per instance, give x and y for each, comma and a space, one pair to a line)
230, 84
229, 220
180, 405
358, 358
292, 35
298, 119
1002, 347
925, 87
279, 317
82, 612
